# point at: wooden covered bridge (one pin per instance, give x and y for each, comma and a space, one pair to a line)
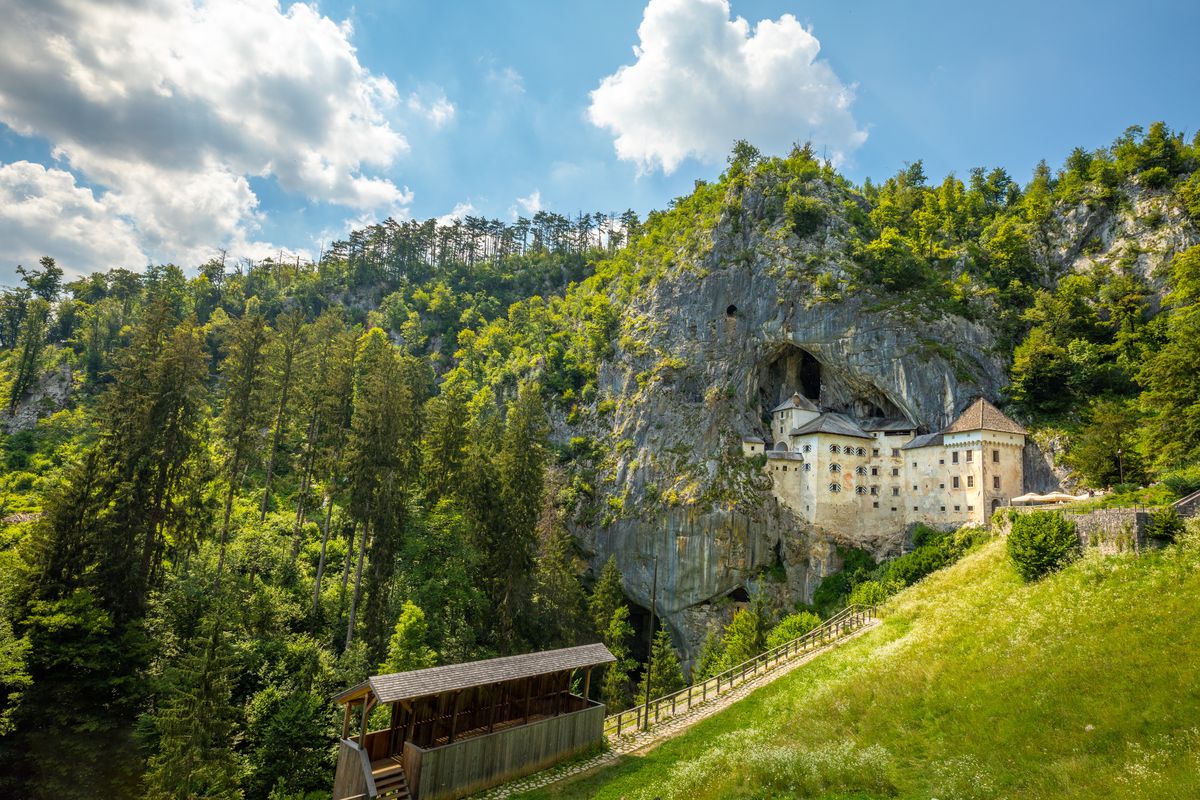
461, 728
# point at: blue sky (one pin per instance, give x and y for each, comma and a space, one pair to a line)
318, 117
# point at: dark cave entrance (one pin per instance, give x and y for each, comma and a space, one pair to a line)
788, 370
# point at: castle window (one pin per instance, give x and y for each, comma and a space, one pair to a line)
860, 490
808, 467
914, 508
914, 487
833, 487
895, 492
893, 508
835, 467
785, 467
874, 490
875, 504
941, 486
875, 471
958, 508
875, 451
833, 448
943, 509
860, 452
970, 481
970, 453
954, 457
895, 472
956, 483
970, 508
895, 452
808, 448
914, 465
995, 456
942, 461
995, 481
860, 470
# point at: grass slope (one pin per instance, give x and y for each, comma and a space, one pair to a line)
1084, 685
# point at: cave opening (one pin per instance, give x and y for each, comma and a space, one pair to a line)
788, 370
739, 595
730, 310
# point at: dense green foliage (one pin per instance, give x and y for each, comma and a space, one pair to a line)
975, 685
1041, 542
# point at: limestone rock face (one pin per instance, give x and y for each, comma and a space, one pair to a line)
722, 336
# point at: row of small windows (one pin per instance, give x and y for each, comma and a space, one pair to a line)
848, 450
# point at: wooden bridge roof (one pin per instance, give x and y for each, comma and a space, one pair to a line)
453, 677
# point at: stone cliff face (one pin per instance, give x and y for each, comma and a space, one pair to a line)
718, 340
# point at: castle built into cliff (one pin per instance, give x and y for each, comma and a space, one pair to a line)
842, 475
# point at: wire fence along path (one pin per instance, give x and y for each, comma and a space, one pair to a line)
635, 719
673, 713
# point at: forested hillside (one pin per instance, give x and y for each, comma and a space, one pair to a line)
230, 491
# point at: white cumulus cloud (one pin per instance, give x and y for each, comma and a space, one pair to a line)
527, 205
703, 80
173, 106
438, 111
44, 212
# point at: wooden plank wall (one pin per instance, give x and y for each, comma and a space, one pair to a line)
482, 761
349, 780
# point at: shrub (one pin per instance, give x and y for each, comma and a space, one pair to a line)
793, 626
870, 593
1041, 542
1165, 525
1183, 481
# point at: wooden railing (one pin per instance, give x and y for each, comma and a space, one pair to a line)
632, 720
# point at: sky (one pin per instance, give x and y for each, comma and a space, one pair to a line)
153, 131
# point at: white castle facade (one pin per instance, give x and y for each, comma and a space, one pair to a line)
843, 475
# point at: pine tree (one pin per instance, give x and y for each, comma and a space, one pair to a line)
615, 687
711, 660
665, 673
408, 648
332, 406
382, 460
197, 725
244, 410
286, 352
607, 595
521, 465
745, 637
558, 596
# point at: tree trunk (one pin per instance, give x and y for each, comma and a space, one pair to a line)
362, 551
278, 434
324, 543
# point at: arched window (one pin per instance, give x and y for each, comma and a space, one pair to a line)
835, 467
833, 487
781, 447
860, 470
833, 448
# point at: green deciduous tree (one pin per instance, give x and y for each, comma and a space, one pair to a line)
408, 648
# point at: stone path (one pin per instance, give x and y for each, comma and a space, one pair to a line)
642, 741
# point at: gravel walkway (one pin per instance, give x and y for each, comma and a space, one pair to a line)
642, 741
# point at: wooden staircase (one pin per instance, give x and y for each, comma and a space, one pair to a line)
390, 781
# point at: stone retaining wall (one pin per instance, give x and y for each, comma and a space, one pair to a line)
1111, 530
